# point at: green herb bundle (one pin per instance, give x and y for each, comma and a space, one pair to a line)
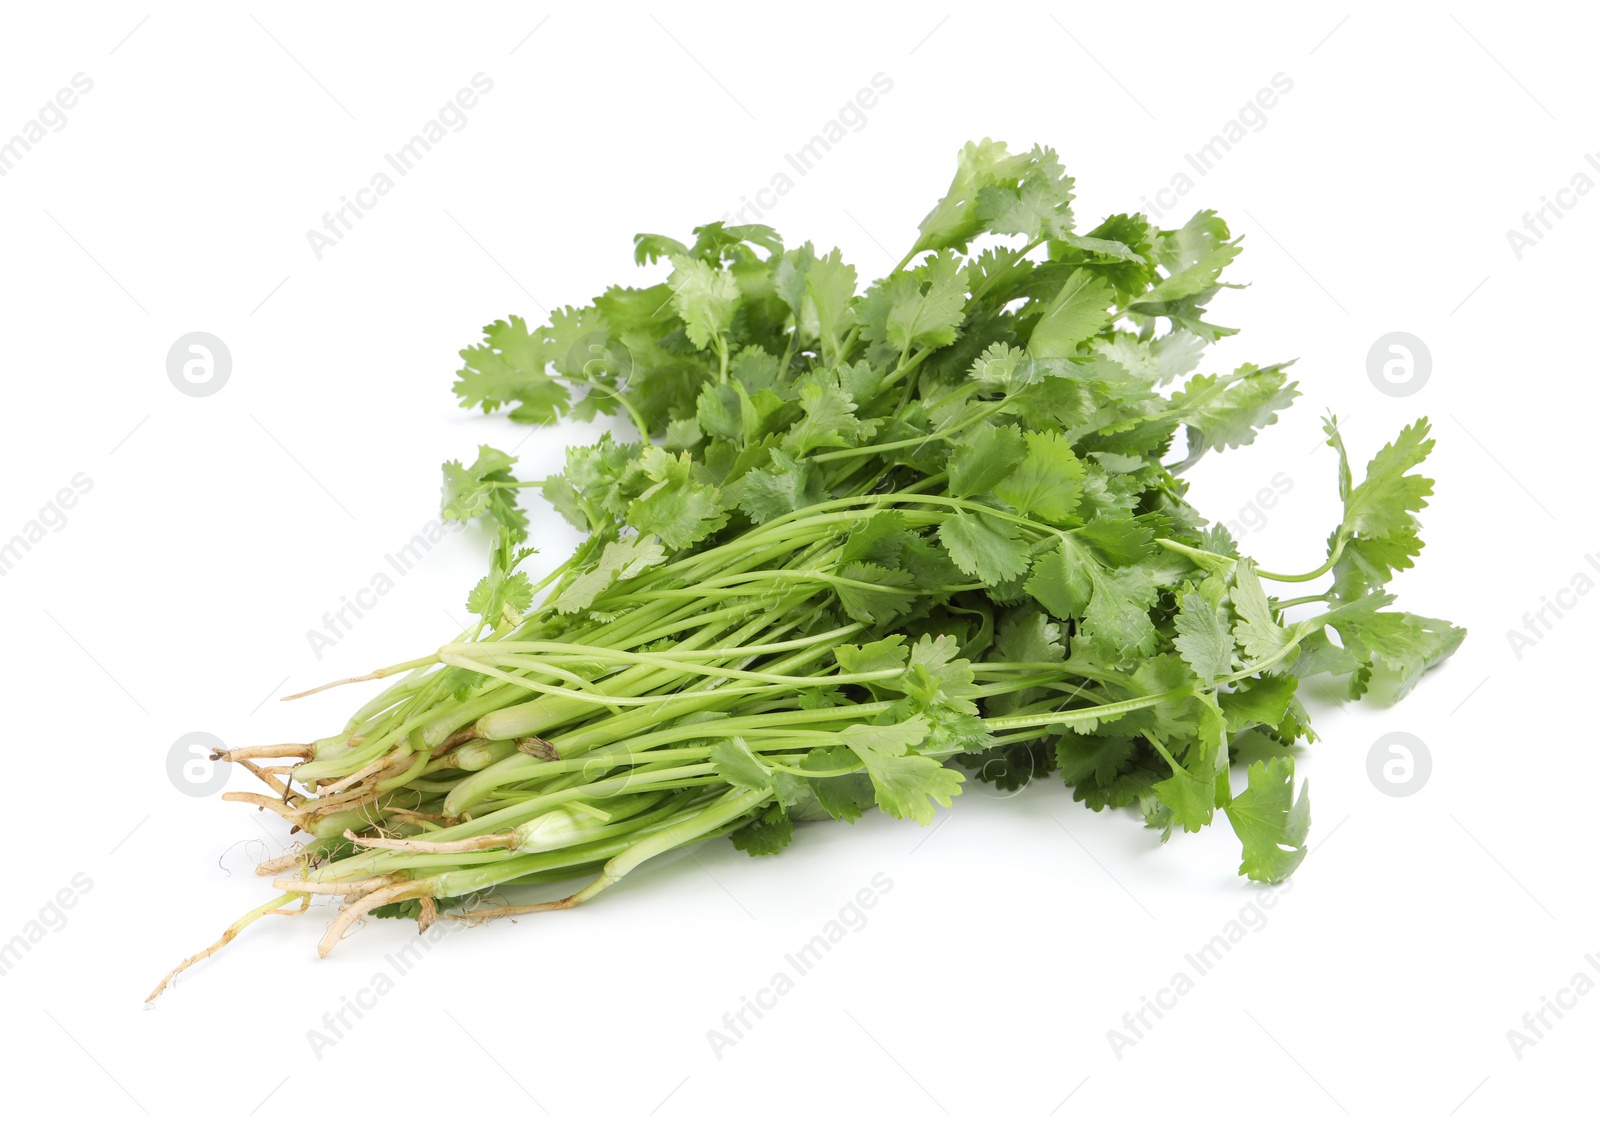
871, 544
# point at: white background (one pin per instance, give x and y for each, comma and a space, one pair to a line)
219, 530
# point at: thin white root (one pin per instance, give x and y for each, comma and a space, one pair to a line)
399, 754
332, 887
470, 844
227, 937
287, 812
301, 750
381, 673
438, 820
394, 893
278, 864
599, 885
269, 775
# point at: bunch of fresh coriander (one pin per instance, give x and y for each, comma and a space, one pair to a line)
868, 544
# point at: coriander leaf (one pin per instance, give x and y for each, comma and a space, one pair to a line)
843, 795
829, 420
619, 561
717, 241
738, 764
1386, 499
719, 412
930, 564
769, 493
677, 508
680, 514
1191, 790
904, 783
510, 366
1203, 638
1270, 823
595, 487
767, 835
921, 307
1092, 764
1009, 767
789, 282
796, 798
880, 540
1407, 645
1380, 528
884, 741
503, 594
1256, 627
940, 688
1227, 412
1194, 257
1028, 636
486, 486
405, 909
1047, 483
576, 346
1174, 717
1077, 312
1005, 366
890, 652
983, 546
1025, 636
1114, 249
870, 600
1180, 248
985, 457
955, 220
1120, 540
704, 297
682, 435
831, 286
1263, 700
649, 247
816, 698
1038, 208
1113, 604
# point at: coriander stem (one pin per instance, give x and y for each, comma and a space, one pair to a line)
1292, 578
1307, 599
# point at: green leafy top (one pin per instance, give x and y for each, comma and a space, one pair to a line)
978, 452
